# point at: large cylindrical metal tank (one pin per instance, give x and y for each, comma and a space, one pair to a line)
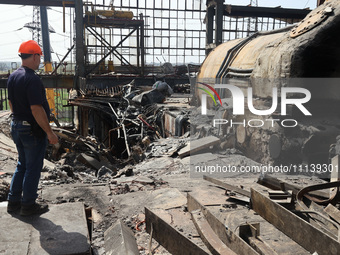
305, 55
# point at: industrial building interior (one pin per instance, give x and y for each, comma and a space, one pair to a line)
153, 157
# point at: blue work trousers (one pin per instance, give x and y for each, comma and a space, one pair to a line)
31, 152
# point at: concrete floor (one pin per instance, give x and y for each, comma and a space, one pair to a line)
62, 230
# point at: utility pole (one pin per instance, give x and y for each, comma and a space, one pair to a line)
40, 30
34, 27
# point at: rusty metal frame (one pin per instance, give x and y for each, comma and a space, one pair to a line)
250, 232
325, 219
232, 240
170, 238
208, 236
227, 186
276, 184
333, 199
302, 232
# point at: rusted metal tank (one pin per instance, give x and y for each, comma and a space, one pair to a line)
305, 55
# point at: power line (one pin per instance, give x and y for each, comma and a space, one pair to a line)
15, 8
12, 20
10, 43
63, 35
8, 32
306, 4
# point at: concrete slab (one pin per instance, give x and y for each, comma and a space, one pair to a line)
198, 145
62, 230
134, 202
167, 198
13, 248
95, 196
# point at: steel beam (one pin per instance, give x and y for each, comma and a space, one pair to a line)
250, 232
219, 22
95, 21
142, 46
80, 57
252, 11
209, 37
227, 236
227, 186
302, 232
276, 184
333, 212
45, 35
56, 3
64, 81
60, 81
210, 239
171, 239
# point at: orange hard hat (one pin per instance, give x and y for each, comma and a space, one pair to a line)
30, 47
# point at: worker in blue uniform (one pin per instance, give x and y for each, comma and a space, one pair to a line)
30, 130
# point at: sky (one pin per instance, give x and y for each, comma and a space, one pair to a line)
14, 17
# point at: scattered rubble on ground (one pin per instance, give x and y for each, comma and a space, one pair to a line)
143, 187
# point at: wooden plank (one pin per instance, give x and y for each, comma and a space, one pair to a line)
302, 232
211, 240
227, 186
228, 237
198, 145
333, 212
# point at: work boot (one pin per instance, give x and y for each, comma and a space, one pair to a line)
13, 206
33, 209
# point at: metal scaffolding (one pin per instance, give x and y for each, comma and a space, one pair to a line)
174, 30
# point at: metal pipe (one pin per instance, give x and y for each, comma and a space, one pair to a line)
240, 75
238, 70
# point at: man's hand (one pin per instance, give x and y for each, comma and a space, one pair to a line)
52, 138
41, 118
